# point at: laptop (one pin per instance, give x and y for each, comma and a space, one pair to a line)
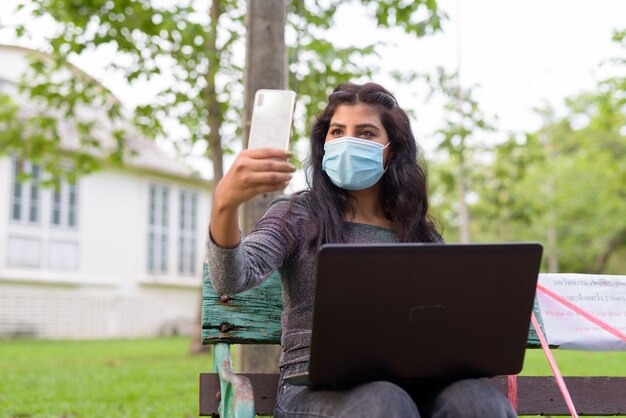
404, 312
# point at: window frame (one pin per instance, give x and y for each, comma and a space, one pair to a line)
158, 229
187, 232
65, 207
27, 189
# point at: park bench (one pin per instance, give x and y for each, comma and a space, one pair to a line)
253, 317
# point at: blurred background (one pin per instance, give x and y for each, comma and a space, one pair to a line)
117, 117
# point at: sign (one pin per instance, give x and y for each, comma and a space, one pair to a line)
602, 296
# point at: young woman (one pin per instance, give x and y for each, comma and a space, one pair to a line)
367, 184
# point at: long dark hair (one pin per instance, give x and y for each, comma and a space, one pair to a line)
404, 195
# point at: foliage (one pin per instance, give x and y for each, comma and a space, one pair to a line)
33, 129
563, 184
502, 203
199, 70
568, 178
459, 149
565, 181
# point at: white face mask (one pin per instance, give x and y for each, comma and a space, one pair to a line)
353, 163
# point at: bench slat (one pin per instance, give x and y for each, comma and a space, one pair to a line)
538, 395
251, 317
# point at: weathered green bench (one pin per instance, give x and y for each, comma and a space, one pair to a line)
253, 317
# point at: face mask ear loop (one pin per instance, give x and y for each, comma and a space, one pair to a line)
385, 168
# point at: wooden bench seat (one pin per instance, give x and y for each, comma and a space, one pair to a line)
253, 317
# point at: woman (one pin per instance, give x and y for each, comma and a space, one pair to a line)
366, 184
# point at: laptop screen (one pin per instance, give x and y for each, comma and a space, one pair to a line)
414, 311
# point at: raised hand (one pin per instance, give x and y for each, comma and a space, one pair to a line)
253, 172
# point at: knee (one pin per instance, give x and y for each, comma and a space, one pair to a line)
381, 399
472, 398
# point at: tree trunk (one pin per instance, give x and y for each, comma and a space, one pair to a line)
464, 231
215, 113
553, 248
552, 233
266, 67
215, 141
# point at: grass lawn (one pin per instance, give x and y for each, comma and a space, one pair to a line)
576, 363
156, 377
111, 378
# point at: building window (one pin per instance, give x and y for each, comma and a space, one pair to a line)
157, 229
188, 213
23, 251
65, 205
63, 255
25, 195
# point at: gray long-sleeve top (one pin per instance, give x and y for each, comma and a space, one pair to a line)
277, 242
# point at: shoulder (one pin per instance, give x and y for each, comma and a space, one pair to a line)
289, 209
287, 213
296, 204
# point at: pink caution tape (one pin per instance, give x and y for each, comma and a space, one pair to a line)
546, 349
555, 369
512, 390
583, 313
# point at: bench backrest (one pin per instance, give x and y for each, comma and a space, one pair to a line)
253, 317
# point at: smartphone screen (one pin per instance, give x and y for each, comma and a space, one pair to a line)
272, 116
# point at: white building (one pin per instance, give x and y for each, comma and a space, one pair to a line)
119, 254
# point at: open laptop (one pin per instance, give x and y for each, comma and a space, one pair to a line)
403, 312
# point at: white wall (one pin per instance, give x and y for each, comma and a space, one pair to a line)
110, 293
82, 312
5, 191
112, 222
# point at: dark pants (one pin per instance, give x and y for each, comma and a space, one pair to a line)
463, 398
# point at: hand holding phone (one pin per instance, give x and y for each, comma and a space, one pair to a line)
272, 116
263, 167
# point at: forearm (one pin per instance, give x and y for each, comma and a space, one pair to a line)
249, 262
227, 268
224, 225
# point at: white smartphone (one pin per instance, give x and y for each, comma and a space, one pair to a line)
272, 116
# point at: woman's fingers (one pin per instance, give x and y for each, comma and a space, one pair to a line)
251, 170
267, 159
264, 153
254, 171
261, 178
271, 166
